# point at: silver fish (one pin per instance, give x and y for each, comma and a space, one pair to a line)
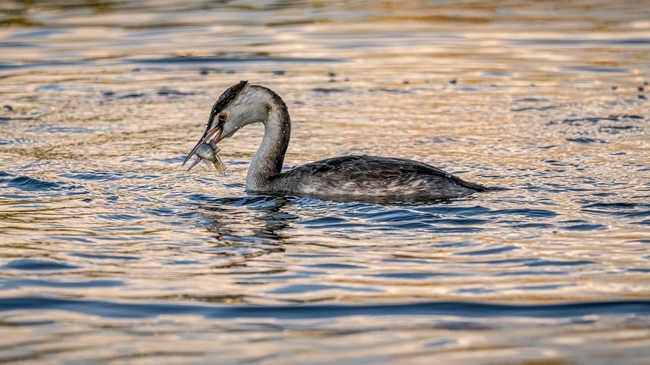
206, 152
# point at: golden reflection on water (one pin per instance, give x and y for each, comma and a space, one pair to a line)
544, 100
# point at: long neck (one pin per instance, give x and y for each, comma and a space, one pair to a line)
268, 160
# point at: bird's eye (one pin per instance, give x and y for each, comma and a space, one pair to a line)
222, 117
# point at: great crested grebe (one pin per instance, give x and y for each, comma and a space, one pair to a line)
346, 176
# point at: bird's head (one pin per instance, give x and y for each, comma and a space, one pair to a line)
238, 106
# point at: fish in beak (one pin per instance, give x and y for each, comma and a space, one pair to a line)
206, 150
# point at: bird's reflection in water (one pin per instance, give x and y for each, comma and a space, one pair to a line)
249, 226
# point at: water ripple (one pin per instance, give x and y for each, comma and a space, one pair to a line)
460, 309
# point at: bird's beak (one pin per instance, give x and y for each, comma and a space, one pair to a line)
211, 136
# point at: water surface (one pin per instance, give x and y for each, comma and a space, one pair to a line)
112, 253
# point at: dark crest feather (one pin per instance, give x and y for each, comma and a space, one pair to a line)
227, 97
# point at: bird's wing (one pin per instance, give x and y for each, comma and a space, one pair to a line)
371, 168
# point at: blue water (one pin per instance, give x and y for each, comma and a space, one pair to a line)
458, 309
111, 252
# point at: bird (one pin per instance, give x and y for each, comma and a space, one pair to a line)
351, 176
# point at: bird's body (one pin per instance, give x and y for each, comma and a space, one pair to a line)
347, 176
363, 176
